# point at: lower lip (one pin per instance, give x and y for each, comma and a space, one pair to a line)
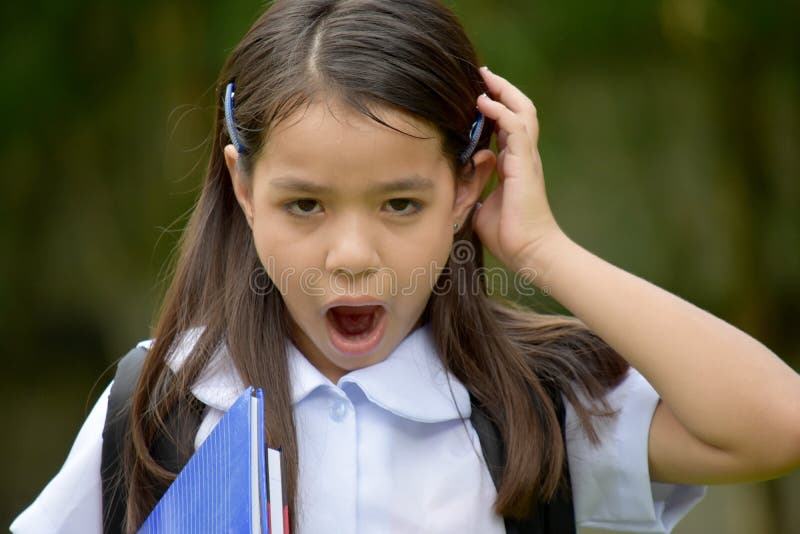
358, 347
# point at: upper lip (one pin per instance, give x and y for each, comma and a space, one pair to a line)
354, 301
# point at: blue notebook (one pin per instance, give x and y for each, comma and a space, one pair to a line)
223, 487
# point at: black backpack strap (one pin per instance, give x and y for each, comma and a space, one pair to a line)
554, 517
170, 451
559, 513
114, 436
491, 442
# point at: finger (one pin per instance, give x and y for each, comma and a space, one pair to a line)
502, 139
518, 140
501, 157
504, 91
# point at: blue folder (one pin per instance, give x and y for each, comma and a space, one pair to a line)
223, 487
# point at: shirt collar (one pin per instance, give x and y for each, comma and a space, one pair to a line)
411, 382
219, 384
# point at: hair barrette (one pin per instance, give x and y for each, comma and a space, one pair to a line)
474, 136
227, 105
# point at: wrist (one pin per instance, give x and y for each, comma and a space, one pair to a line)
537, 262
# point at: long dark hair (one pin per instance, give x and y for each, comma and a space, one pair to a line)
414, 56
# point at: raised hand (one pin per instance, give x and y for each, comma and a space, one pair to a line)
515, 220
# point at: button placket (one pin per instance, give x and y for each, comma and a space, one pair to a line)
329, 473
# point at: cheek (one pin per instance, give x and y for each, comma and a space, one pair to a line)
418, 264
284, 261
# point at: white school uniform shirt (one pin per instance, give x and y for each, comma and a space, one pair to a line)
390, 449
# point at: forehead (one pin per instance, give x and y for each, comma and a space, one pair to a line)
334, 146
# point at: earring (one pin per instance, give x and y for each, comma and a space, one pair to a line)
455, 226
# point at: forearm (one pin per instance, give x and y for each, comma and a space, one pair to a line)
725, 387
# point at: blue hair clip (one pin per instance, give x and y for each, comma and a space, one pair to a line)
474, 136
227, 105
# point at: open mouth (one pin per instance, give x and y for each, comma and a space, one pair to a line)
356, 330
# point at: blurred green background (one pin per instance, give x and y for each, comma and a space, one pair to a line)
670, 136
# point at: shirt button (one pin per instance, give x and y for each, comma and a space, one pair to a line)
338, 410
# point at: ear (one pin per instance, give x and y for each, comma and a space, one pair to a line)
242, 186
468, 191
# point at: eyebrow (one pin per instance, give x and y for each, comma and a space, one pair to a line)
407, 183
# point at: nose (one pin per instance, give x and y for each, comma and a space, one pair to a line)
352, 248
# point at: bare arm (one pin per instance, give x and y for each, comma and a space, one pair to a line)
730, 408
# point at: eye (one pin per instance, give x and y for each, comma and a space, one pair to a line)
401, 205
305, 206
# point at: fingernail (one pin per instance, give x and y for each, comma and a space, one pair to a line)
485, 68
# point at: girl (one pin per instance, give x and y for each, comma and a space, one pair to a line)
333, 259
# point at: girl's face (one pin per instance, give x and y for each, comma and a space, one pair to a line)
343, 207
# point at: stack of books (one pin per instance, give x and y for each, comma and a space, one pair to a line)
229, 484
